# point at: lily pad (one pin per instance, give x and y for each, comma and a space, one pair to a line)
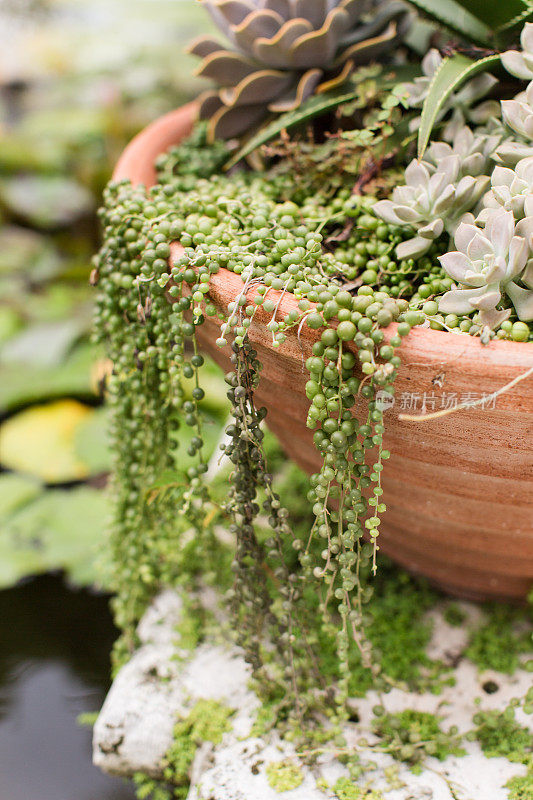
68, 127
28, 252
59, 530
17, 562
52, 303
37, 155
40, 441
46, 201
20, 385
15, 492
10, 324
44, 345
91, 441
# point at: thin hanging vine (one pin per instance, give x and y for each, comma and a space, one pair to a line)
280, 238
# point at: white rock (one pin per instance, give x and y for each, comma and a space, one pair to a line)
238, 772
160, 619
449, 641
135, 727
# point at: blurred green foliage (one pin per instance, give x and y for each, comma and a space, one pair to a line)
78, 78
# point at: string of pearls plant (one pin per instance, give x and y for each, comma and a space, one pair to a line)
355, 263
252, 227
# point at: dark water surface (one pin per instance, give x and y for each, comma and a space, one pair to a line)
54, 665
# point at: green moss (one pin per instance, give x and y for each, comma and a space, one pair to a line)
528, 699
496, 645
284, 775
190, 630
147, 788
266, 717
454, 615
410, 736
207, 721
194, 620
499, 734
398, 630
521, 787
87, 719
345, 789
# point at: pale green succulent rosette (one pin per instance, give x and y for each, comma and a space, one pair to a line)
479, 190
475, 151
522, 295
520, 64
285, 51
518, 113
510, 189
433, 201
487, 263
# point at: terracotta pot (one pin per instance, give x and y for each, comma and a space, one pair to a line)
458, 489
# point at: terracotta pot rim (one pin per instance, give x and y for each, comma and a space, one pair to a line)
136, 164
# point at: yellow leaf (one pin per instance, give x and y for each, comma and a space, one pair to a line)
40, 441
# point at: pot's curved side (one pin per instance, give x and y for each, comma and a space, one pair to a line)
459, 489
136, 163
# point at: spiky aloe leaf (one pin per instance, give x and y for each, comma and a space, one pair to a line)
517, 22
452, 73
456, 18
496, 14
319, 104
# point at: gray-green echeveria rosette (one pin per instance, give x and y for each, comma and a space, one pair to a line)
479, 190
433, 201
520, 64
487, 264
283, 51
510, 189
476, 151
518, 113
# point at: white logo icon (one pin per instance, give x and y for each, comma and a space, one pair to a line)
384, 401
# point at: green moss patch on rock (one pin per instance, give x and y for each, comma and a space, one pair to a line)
454, 615
207, 721
521, 787
500, 735
498, 644
345, 789
411, 736
284, 775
